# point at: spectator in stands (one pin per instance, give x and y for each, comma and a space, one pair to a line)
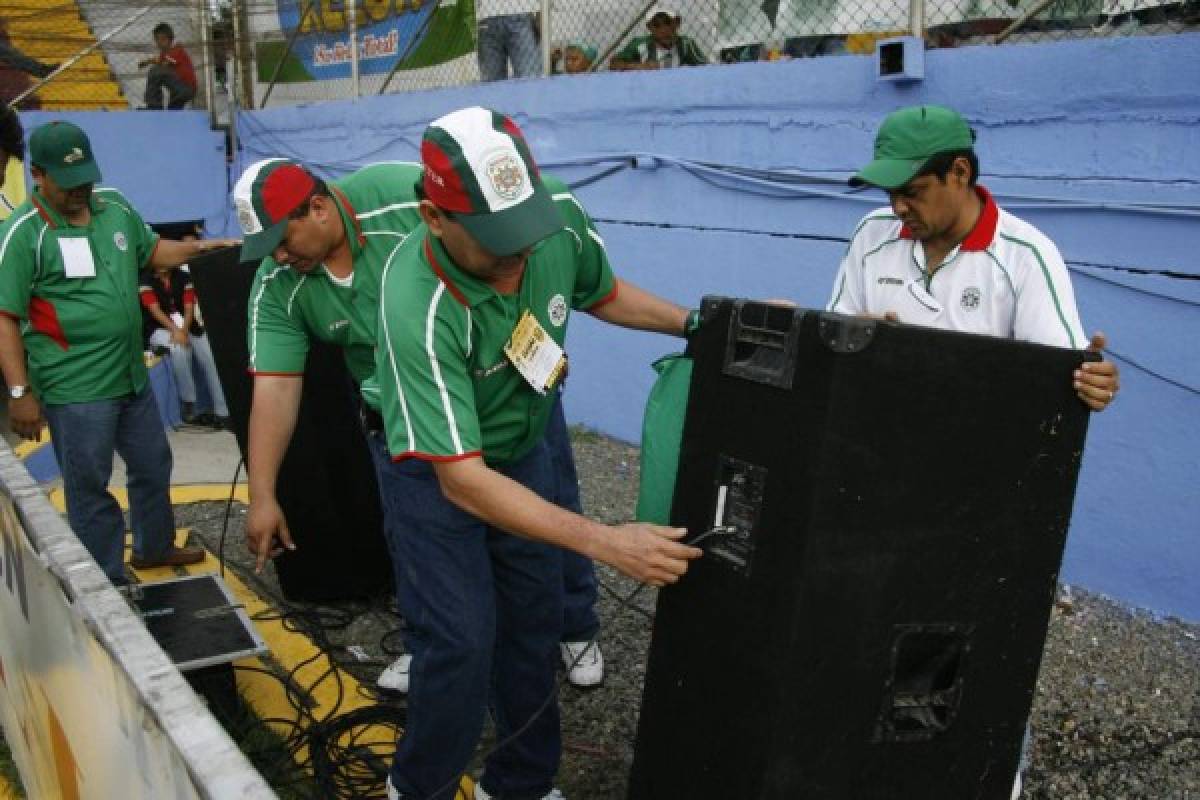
572, 60
169, 322
508, 33
12, 145
71, 349
665, 47
170, 71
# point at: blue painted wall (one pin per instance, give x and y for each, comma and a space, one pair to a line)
171, 166
1111, 126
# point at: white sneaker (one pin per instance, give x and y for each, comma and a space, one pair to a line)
391, 790
395, 677
480, 794
1016, 792
583, 662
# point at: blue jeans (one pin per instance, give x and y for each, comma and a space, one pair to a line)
84, 436
181, 365
580, 623
484, 614
508, 38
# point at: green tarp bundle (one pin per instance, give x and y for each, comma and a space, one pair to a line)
662, 434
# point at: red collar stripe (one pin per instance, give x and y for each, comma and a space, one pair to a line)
42, 212
442, 276
984, 232
351, 213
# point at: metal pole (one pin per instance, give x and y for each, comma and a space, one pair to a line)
210, 94
1021, 20
916, 17
241, 55
407, 51
603, 57
291, 42
545, 31
70, 62
353, 22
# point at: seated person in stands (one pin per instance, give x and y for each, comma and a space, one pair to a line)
575, 58
171, 71
664, 47
169, 322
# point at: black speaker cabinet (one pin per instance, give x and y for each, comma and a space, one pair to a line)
871, 625
326, 485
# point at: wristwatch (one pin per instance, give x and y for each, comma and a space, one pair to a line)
17, 392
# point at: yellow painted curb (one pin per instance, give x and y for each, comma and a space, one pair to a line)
180, 495
288, 650
26, 448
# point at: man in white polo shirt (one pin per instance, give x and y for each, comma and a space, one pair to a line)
944, 255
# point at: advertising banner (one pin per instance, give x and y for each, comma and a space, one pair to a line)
420, 33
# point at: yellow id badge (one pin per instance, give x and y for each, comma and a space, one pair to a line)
535, 354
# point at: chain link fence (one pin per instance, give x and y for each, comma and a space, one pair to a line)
273, 52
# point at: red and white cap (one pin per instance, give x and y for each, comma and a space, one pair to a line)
268, 191
479, 168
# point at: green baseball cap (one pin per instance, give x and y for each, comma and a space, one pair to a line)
478, 166
906, 141
64, 152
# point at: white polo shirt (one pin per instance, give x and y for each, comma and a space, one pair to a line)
1004, 279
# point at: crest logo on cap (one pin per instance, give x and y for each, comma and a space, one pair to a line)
506, 176
75, 155
247, 219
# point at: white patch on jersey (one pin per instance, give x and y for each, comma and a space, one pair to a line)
971, 298
557, 310
120, 241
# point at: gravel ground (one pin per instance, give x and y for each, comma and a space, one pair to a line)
1117, 713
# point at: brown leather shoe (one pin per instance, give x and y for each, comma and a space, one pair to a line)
175, 557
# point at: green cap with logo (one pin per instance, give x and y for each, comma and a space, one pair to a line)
906, 141
64, 152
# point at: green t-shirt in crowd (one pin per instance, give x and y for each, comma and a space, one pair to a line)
75, 291
446, 388
378, 207
685, 53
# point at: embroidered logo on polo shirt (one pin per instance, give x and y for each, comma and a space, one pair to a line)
557, 310
120, 241
338, 325
970, 298
887, 281
506, 176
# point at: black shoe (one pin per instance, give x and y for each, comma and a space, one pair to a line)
189, 414
220, 423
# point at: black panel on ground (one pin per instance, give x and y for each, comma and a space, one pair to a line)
872, 625
326, 486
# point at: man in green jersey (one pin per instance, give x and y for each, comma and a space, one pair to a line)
474, 307
69, 262
323, 247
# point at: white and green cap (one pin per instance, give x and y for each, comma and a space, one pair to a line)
479, 168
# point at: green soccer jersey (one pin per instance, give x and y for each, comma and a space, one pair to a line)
378, 207
75, 291
641, 49
445, 386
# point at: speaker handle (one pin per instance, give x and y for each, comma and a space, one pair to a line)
762, 342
